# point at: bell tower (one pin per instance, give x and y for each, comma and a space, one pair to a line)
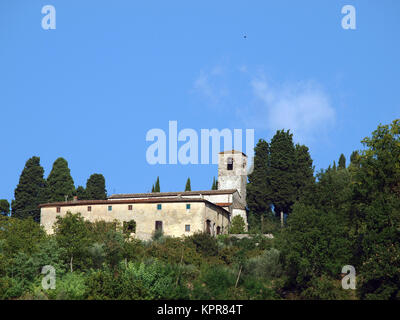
232, 173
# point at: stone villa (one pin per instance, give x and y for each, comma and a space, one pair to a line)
175, 213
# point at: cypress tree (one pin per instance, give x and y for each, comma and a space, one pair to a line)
4, 207
157, 185
282, 171
214, 185
188, 187
30, 191
81, 193
258, 187
96, 187
152, 188
60, 182
304, 172
342, 161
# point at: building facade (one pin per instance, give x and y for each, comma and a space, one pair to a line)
175, 213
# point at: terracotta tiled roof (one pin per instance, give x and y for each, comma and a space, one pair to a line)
224, 204
131, 201
166, 194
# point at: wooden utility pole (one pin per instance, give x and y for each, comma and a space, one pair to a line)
281, 219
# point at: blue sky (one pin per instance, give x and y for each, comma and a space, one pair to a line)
90, 90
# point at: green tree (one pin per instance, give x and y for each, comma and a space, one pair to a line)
214, 184
60, 182
30, 191
376, 212
303, 172
354, 157
96, 187
4, 207
342, 161
157, 185
237, 225
282, 172
72, 235
314, 243
81, 193
258, 187
188, 187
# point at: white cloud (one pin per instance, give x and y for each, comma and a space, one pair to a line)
302, 107
212, 85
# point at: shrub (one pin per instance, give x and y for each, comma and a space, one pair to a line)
237, 225
265, 266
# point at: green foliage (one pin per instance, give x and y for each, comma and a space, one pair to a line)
20, 236
129, 227
158, 235
215, 283
325, 288
266, 265
60, 182
282, 174
71, 286
204, 243
237, 225
188, 187
96, 187
30, 191
376, 213
72, 235
156, 187
314, 243
4, 207
81, 193
342, 161
214, 184
258, 187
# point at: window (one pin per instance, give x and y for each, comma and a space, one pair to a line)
208, 227
109, 208
218, 230
130, 207
89, 208
188, 206
230, 164
129, 227
58, 209
158, 225
187, 227
159, 206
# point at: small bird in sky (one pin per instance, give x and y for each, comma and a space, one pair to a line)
245, 36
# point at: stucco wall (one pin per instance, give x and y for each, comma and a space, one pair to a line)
174, 216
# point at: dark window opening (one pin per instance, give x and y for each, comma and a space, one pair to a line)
218, 230
109, 208
230, 164
159, 206
208, 227
129, 226
187, 227
89, 208
159, 226
58, 209
130, 207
